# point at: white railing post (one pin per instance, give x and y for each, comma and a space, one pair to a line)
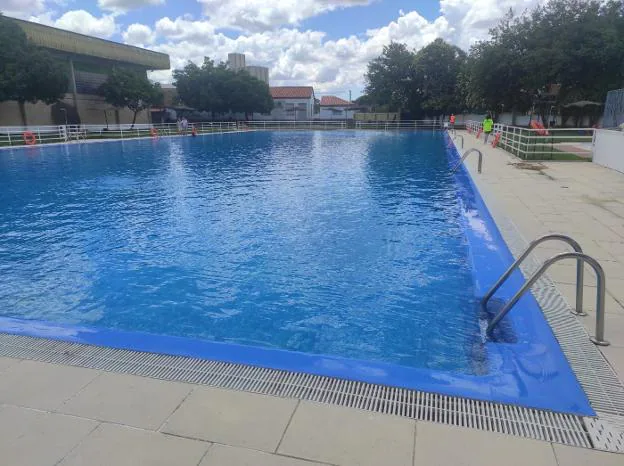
9, 136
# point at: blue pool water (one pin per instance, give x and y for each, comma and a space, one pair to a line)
350, 254
327, 243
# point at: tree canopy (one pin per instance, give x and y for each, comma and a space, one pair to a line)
214, 88
423, 82
560, 52
130, 89
28, 73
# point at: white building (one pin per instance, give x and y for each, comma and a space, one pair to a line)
335, 108
292, 103
237, 62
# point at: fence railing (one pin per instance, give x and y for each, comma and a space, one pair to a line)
404, 124
25, 135
295, 124
539, 143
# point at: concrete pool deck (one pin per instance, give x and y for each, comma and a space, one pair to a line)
54, 414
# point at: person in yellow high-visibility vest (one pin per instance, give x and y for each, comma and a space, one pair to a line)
488, 125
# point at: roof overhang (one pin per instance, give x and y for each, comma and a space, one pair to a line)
79, 44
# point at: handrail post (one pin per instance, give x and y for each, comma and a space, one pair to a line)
579, 270
598, 339
466, 154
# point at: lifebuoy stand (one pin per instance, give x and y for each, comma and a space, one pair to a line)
29, 138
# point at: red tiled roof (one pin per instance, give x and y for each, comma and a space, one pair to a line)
333, 101
292, 92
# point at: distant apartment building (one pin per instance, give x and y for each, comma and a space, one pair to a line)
237, 62
335, 108
89, 61
291, 103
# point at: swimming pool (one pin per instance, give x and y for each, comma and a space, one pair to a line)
354, 254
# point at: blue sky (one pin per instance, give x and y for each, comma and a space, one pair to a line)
324, 43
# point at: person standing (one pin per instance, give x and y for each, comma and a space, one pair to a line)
184, 125
452, 121
488, 125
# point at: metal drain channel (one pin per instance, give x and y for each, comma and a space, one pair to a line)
491, 417
601, 384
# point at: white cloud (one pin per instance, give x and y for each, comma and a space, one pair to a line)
472, 19
85, 23
123, 6
139, 35
262, 15
308, 57
21, 8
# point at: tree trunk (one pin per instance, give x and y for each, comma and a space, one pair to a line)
134, 119
22, 110
513, 116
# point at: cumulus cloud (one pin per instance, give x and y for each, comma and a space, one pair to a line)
139, 35
472, 19
85, 23
295, 56
123, 6
262, 15
21, 8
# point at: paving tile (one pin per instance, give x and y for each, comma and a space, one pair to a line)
615, 356
233, 418
221, 455
614, 327
37, 438
571, 456
41, 385
441, 445
113, 445
612, 307
346, 436
127, 399
5, 363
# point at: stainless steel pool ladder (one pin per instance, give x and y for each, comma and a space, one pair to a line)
466, 154
581, 259
455, 136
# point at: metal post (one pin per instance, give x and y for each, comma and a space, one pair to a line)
579, 270
9, 136
598, 339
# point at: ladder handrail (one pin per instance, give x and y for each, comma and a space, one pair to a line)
466, 154
598, 339
455, 136
579, 270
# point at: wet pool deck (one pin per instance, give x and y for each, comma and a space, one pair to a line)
62, 415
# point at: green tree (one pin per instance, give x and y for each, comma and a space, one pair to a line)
127, 88
218, 90
574, 47
28, 73
437, 68
391, 80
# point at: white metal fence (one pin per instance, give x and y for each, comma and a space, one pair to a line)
27, 135
404, 124
539, 143
30, 135
295, 124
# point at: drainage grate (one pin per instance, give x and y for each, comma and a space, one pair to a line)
607, 432
599, 381
492, 417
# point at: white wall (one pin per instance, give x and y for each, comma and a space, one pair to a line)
609, 149
336, 113
305, 110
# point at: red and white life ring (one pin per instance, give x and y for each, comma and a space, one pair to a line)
29, 138
154, 132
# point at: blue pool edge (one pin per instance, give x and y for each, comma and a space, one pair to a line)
523, 375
